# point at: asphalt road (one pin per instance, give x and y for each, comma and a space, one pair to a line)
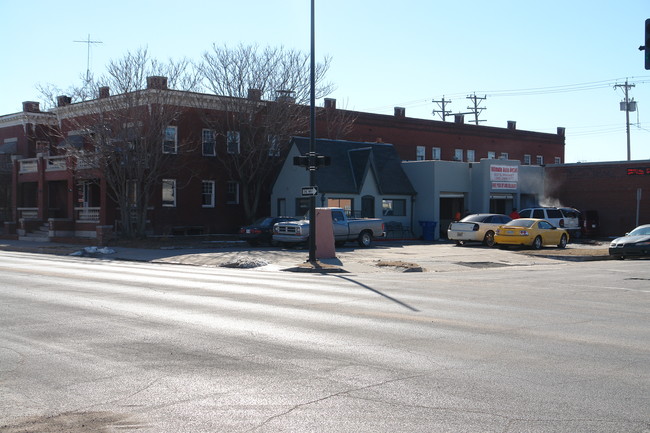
107, 346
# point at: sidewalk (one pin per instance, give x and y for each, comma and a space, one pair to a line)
408, 256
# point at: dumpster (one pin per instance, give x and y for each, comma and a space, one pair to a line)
428, 230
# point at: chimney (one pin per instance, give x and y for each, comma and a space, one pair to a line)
561, 131
330, 103
512, 124
31, 107
400, 112
62, 101
255, 94
459, 118
104, 92
157, 82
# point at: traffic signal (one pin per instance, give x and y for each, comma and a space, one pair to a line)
311, 161
647, 44
302, 160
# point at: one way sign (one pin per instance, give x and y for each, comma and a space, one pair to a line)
309, 190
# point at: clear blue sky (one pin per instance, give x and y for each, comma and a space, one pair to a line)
385, 54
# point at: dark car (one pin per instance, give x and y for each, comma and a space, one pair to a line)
261, 231
635, 243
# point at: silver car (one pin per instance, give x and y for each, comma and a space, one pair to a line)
478, 227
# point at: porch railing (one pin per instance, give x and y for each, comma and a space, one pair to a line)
27, 213
28, 165
56, 163
90, 214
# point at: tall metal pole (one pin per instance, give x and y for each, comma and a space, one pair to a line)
312, 143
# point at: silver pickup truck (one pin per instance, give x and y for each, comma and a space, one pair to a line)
362, 230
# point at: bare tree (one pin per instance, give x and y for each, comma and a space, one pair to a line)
264, 96
130, 140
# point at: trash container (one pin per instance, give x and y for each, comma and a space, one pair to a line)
428, 230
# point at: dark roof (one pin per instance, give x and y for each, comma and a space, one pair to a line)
352, 161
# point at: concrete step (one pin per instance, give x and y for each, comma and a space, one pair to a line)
35, 237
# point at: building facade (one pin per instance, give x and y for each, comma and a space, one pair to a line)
56, 189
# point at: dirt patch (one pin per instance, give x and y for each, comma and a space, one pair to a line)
72, 423
400, 265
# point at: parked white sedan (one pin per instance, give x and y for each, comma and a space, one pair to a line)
476, 228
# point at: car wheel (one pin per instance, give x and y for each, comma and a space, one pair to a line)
489, 239
365, 239
562, 243
537, 243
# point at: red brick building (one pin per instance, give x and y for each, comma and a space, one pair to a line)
616, 190
52, 193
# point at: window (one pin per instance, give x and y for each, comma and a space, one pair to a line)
274, 145
435, 153
458, 155
207, 193
527, 159
302, 206
558, 160
233, 141
132, 192
209, 142
345, 203
170, 142
420, 153
393, 207
540, 160
232, 193
471, 156
169, 192
504, 155
492, 155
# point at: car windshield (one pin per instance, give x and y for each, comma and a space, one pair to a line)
521, 223
476, 218
263, 222
640, 231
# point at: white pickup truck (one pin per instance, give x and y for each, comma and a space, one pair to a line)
363, 230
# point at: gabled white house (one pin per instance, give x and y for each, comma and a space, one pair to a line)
365, 179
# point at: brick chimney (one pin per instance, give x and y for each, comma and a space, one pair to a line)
400, 112
561, 131
104, 92
459, 118
62, 101
255, 94
31, 107
330, 103
157, 82
512, 124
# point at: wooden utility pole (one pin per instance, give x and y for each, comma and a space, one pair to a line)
628, 107
443, 112
476, 110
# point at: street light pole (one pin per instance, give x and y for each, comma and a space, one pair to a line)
312, 143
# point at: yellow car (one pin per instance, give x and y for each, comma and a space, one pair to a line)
531, 232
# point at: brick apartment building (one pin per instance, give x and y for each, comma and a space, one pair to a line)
52, 194
618, 191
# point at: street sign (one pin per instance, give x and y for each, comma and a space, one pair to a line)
309, 190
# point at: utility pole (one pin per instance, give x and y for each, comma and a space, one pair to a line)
312, 139
627, 106
443, 112
476, 110
89, 43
